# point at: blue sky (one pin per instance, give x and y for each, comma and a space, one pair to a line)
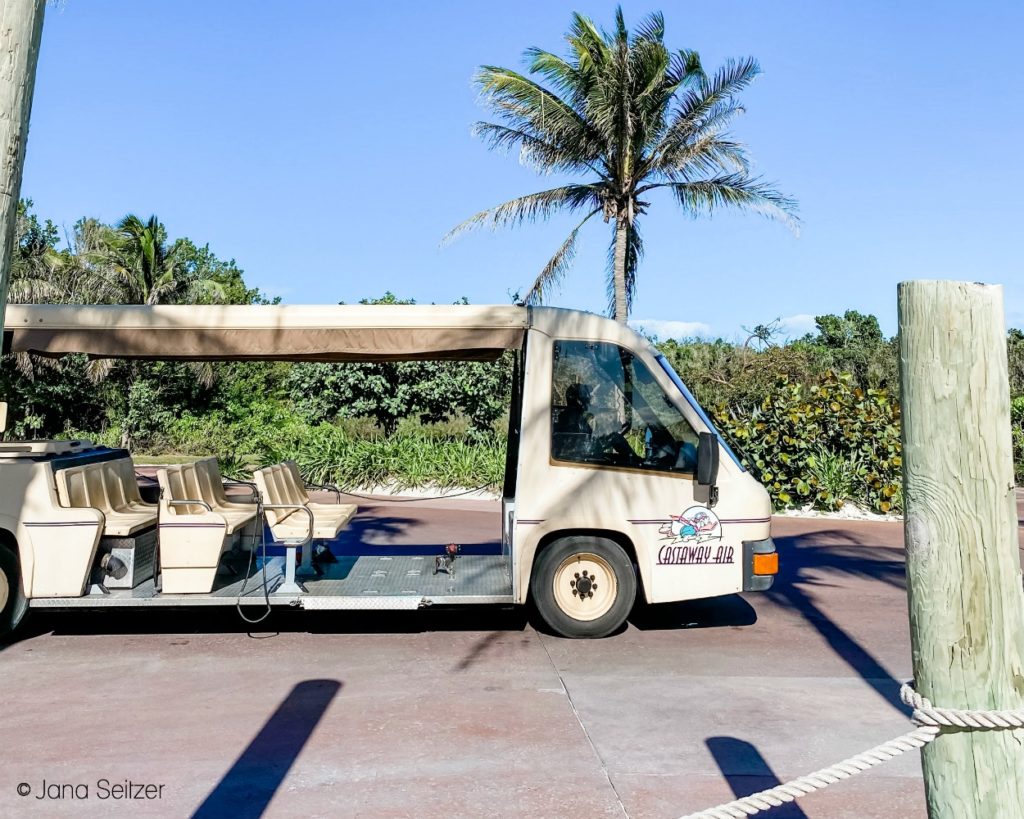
326, 146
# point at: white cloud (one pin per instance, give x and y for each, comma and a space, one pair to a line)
666, 329
796, 326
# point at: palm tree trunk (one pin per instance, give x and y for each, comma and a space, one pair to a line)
619, 272
21, 26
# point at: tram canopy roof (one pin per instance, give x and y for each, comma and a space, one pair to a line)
267, 332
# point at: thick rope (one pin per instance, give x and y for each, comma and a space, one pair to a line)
931, 722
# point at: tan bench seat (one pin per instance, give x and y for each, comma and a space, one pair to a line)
324, 511
111, 488
295, 525
202, 479
211, 483
279, 485
193, 536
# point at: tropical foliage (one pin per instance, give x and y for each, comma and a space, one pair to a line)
636, 119
821, 445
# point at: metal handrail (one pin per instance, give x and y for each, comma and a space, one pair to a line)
252, 487
189, 503
296, 506
324, 487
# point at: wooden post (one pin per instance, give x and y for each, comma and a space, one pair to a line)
963, 566
21, 26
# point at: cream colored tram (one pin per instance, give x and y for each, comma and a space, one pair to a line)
616, 484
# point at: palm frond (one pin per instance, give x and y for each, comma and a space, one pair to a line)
528, 208
684, 68
708, 106
651, 28
204, 372
703, 197
707, 155
587, 41
563, 76
557, 266
541, 154
97, 369
527, 106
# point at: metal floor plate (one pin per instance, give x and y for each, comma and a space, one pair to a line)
474, 575
365, 581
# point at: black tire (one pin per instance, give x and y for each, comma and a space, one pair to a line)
552, 562
12, 609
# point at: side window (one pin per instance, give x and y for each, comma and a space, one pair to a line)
608, 410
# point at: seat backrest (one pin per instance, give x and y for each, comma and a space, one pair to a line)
129, 483
295, 482
292, 490
194, 485
113, 485
267, 492
209, 470
66, 492
83, 487
205, 482
96, 488
175, 485
281, 488
122, 487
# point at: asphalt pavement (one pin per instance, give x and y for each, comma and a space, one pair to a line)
471, 712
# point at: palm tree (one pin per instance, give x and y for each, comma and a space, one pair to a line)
133, 264
634, 117
40, 273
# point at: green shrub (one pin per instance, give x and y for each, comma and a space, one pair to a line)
347, 454
837, 476
816, 444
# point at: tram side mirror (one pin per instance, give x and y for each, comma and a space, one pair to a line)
707, 459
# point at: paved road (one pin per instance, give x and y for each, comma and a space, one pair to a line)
475, 712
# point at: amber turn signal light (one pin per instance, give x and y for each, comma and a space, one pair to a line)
766, 564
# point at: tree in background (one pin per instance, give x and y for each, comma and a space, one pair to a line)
636, 118
854, 343
388, 392
133, 264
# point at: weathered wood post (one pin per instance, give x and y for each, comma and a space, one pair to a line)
21, 26
963, 566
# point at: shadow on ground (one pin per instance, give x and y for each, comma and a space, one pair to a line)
748, 772
729, 611
225, 620
246, 789
807, 564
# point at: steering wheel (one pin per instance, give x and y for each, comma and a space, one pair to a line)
615, 444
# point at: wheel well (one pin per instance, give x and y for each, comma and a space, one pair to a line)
609, 534
8, 540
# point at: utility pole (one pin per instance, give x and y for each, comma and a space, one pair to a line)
963, 566
21, 26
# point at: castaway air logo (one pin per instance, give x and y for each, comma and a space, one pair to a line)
695, 525
686, 539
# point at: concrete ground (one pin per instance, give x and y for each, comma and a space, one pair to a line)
473, 712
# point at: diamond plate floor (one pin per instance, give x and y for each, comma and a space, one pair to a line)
473, 575
365, 576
